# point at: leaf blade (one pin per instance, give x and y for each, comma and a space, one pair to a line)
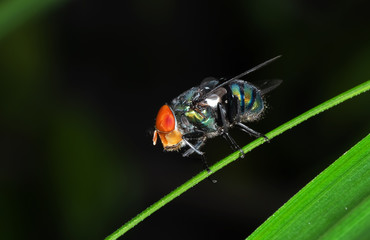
320, 209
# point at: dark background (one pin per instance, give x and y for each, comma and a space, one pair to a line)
81, 83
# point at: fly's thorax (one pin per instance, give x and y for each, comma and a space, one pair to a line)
202, 118
184, 100
191, 117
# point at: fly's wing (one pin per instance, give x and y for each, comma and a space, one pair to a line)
266, 86
212, 91
208, 84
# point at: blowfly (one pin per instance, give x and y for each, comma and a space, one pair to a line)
210, 110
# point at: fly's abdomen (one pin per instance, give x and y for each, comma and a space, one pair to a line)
245, 101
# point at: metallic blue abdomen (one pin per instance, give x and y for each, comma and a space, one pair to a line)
246, 102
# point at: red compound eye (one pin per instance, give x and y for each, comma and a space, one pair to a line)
165, 121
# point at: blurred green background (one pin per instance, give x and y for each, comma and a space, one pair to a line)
81, 83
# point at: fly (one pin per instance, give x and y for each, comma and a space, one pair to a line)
210, 110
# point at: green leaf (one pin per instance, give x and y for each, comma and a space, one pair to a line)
234, 156
334, 205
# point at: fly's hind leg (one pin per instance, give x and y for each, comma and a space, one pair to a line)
226, 134
251, 132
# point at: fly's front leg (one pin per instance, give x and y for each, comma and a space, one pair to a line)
195, 148
192, 148
199, 136
226, 134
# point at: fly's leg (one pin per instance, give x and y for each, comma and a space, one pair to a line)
197, 135
195, 148
207, 168
251, 132
233, 144
192, 148
190, 151
226, 134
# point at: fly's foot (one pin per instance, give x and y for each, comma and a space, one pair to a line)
242, 154
266, 138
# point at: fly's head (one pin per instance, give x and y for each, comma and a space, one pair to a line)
166, 129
